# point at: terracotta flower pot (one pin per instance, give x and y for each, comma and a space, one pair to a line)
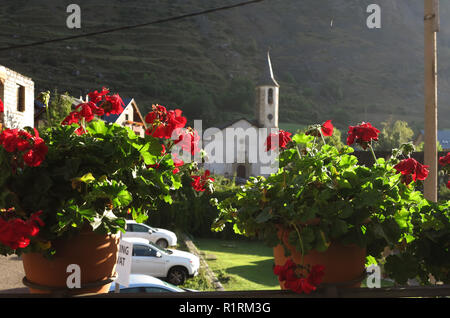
95, 254
344, 264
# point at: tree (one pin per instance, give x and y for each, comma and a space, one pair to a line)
393, 134
58, 106
336, 139
239, 95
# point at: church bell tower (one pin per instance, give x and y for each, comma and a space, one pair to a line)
267, 93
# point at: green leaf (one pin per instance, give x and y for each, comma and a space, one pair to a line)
343, 183
97, 127
123, 198
264, 216
302, 139
346, 212
348, 161
339, 228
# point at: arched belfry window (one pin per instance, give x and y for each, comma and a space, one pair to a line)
270, 96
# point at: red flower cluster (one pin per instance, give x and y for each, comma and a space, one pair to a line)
177, 162
33, 148
169, 124
287, 273
411, 170
188, 139
199, 182
445, 162
164, 122
362, 134
1, 107
16, 232
284, 138
111, 104
100, 104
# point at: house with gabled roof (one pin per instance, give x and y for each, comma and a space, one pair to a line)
130, 117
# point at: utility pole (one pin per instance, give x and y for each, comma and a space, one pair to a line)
431, 27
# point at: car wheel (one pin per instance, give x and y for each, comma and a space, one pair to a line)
162, 243
177, 275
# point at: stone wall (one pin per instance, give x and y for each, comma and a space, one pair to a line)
17, 93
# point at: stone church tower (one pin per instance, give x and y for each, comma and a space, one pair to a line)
267, 94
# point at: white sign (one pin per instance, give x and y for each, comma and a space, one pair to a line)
123, 266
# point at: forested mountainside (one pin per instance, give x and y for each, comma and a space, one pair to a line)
329, 64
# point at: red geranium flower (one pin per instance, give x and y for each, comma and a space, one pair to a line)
448, 184
96, 96
287, 273
316, 274
300, 285
362, 134
34, 156
188, 139
327, 128
163, 122
177, 161
199, 182
72, 118
411, 170
9, 139
34, 148
283, 139
16, 233
113, 105
445, 160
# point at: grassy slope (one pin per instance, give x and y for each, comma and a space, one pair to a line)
240, 265
346, 73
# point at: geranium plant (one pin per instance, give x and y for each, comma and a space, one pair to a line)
86, 173
323, 195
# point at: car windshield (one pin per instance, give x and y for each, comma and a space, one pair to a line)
156, 247
173, 286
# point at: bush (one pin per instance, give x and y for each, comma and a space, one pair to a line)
191, 211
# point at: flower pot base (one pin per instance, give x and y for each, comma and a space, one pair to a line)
101, 286
344, 265
94, 254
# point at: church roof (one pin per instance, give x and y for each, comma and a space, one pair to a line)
229, 124
267, 78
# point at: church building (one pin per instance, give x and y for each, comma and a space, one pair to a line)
239, 146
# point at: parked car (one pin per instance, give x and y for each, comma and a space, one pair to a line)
160, 237
140, 283
172, 265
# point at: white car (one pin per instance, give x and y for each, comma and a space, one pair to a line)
172, 265
140, 283
160, 237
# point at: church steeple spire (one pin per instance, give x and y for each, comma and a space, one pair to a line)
267, 78
267, 93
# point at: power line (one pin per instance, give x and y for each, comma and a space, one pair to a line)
128, 27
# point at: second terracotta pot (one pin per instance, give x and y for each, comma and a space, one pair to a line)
344, 264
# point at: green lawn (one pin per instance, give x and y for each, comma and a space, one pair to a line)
240, 265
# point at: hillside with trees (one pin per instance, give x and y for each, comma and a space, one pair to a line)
329, 64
